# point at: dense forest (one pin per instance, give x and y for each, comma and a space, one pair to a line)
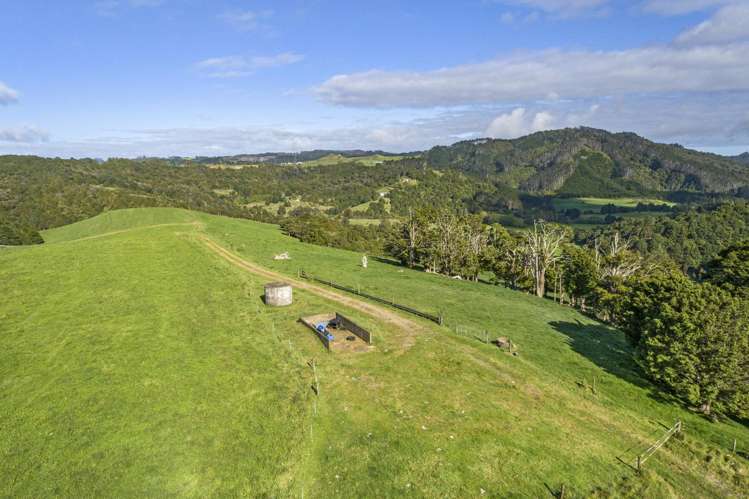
585, 161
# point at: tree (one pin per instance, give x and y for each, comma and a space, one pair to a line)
411, 235
476, 239
580, 274
543, 246
692, 338
730, 269
505, 256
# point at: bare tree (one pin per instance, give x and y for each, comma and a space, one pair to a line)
543, 246
616, 259
413, 229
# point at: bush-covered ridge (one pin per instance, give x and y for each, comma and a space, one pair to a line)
631, 164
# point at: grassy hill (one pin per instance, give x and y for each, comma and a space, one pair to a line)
134, 361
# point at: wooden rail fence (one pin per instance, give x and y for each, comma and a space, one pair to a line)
439, 319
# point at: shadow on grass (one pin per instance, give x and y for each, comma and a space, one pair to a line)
605, 347
390, 261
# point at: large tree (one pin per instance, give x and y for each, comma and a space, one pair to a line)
579, 274
692, 338
544, 249
730, 270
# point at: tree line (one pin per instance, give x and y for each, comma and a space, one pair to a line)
691, 337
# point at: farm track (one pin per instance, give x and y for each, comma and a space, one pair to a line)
406, 326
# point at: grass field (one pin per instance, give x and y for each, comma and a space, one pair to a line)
335, 159
595, 204
134, 361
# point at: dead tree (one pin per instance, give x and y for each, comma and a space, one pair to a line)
543, 246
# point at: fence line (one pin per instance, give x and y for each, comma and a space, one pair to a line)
472, 332
439, 319
641, 458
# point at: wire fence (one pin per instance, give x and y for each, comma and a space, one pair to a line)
644, 456
439, 319
479, 334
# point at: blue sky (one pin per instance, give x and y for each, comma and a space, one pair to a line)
191, 77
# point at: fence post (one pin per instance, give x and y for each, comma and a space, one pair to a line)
561, 492
317, 382
734, 446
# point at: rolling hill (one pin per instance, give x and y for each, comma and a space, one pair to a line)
135, 361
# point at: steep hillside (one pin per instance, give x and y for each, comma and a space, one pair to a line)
135, 361
742, 158
586, 161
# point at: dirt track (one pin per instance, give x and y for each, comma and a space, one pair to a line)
406, 326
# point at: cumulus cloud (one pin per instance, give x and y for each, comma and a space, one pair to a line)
702, 120
25, 135
519, 123
729, 24
235, 66
7, 95
245, 20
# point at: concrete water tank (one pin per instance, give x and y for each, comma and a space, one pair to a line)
278, 294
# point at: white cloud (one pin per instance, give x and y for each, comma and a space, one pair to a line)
519, 123
235, 66
7, 95
245, 20
25, 134
566, 74
729, 24
680, 7
704, 120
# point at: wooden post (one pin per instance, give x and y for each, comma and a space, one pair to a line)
317, 382
561, 492
734, 446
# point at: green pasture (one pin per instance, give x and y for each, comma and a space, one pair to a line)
136, 362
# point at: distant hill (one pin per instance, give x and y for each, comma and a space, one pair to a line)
587, 161
742, 158
285, 157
